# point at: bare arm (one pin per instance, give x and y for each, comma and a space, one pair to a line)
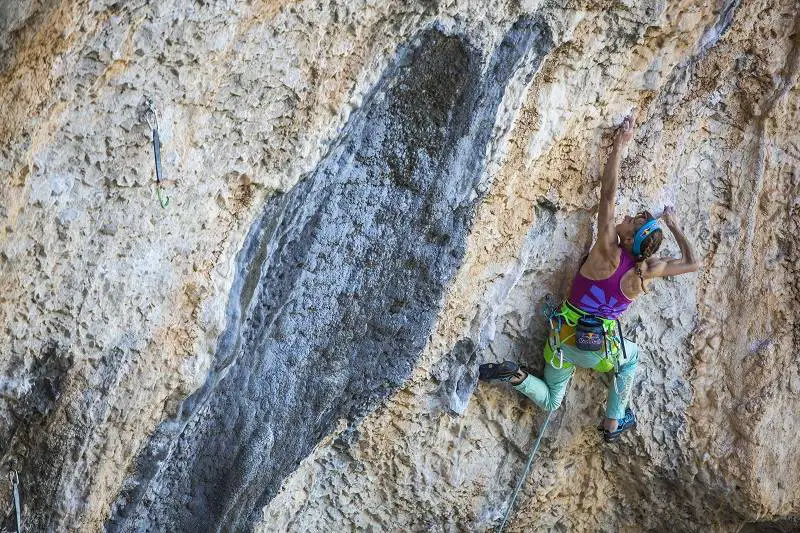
606, 230
659, 268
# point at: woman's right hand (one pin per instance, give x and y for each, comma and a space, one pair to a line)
626, 130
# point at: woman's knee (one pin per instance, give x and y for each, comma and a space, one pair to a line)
554, 398
546, 395
553, 402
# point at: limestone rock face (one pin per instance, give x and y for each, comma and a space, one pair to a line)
366, 201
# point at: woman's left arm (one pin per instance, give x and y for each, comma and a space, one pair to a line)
660, 267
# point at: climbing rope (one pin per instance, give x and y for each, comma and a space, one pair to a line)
531, 455
153, 123
13, 476
549, 311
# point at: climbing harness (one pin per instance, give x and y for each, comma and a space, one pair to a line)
610, 333
570, 316
153, 123
13, 476
599, 327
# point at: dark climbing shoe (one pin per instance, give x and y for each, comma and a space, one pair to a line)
624, 424
504, 371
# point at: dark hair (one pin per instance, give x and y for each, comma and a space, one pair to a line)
650, 245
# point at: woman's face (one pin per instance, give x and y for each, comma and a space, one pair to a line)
629, 225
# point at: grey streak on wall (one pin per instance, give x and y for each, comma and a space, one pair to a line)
338, 286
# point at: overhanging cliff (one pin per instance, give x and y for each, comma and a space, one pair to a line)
367, 201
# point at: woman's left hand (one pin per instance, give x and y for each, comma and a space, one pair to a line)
668, 216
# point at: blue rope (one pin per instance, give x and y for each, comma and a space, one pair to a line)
525, 473
549, 310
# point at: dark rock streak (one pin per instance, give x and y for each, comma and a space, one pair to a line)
338, 286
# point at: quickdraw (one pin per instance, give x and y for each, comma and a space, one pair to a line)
152, 121
556, 320
13, 476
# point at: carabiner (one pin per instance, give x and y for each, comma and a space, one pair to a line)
560, 359
164, 201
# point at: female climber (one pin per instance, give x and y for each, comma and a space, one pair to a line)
584, 331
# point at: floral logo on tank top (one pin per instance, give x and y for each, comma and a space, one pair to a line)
598, 304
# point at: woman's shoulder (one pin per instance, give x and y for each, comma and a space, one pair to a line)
600, 264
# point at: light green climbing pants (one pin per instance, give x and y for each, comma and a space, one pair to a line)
549, 393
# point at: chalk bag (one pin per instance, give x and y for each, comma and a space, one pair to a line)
589, 334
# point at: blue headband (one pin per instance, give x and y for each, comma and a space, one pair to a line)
641, 234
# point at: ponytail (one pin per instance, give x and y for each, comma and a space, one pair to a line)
641, 276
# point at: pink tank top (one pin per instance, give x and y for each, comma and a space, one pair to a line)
602, 297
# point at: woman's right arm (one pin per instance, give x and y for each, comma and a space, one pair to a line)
606, 229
